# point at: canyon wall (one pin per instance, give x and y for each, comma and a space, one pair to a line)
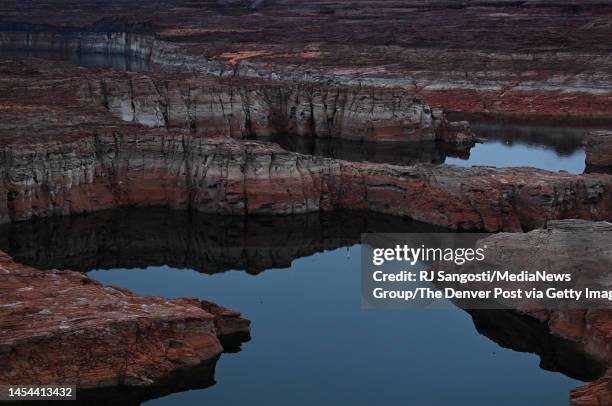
239, 107
261, 109
113, 167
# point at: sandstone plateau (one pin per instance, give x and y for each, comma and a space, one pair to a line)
63, 327
533, 57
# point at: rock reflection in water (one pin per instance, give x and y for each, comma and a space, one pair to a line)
400, 153
137, 238
504, 144
525, 334
198, 377
129, 238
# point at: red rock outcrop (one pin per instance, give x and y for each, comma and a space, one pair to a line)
91, 162
598, 393
598, 148
113, 167
575, 247
63, 327
62, 154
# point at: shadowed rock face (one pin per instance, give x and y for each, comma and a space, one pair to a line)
459, 55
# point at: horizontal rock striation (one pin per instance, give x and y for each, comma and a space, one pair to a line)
61, 327
459, 55
598, 148
235, 107
576, 247
62, 152
128, 166
259, 109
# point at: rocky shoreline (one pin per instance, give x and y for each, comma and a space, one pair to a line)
66, 151
61, 327
560, 248
189, 135
598, 148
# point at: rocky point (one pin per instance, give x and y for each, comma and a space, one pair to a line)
62, 327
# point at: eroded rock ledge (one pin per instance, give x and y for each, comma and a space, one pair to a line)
576, 247
232, 107
63, 327
63, 151
127, 166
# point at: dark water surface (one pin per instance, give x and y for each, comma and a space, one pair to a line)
119, 62
298, 280
505, 144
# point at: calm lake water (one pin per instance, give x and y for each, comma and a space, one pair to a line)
552, 148
313, 344
298, 280
88, 60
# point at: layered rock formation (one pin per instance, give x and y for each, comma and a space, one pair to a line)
575, 247
63, 155
240, 108
114, 167
61, 327
598, 148
459, 55
259, 109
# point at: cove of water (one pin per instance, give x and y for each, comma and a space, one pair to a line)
297, 278
503, 145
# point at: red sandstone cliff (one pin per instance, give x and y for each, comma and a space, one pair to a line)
130, 166
62, 153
